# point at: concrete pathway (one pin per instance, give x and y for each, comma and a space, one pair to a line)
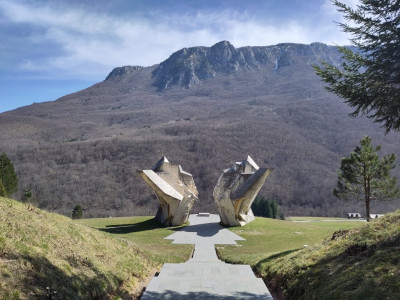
204, 276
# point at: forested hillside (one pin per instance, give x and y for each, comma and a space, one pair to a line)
204, 108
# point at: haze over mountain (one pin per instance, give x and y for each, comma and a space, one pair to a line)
204, 108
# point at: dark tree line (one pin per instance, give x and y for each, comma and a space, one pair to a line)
263, 207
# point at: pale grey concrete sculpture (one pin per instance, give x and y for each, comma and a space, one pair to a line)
175, 190
236, 190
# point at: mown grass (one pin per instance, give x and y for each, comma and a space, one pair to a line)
146, 233
40, 249
43, 252
362, 263
313, 219
270, 237
359, 261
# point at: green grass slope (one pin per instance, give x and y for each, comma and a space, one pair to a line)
43, 252
269, 238
146, 232
361, 263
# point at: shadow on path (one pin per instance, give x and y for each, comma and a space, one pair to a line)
173, 295
203, 230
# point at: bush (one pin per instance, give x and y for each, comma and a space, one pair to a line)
77, 213
8, 176
26, 196
267, 208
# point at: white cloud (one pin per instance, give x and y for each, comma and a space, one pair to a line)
92, 44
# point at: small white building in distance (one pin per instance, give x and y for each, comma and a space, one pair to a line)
375, 216
353, 215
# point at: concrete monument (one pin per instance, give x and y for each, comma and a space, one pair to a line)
236, 190
175, 190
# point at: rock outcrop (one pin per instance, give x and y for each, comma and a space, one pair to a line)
121, 71
191, 66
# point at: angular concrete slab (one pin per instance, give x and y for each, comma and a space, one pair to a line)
175, 190
236, 189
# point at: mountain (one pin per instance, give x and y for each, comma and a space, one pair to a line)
191, 66
204, 108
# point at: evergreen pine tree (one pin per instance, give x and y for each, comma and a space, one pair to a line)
26, 196
274, 209
255, 207
3, 192
364, 176
369, 79
267, 208
77, 213
7, 174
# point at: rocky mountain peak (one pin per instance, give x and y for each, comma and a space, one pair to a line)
190, 66
224, 51
120, 71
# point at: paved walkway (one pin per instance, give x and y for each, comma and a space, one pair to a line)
204, 276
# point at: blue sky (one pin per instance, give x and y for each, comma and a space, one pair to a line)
52, 48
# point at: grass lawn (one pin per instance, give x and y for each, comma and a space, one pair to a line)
325, 269
362, 263
313, 219
146, 233
267, 239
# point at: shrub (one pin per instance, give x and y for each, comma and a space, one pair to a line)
77, 213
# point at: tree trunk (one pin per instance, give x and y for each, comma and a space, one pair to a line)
367, 198
367, 208
367, 190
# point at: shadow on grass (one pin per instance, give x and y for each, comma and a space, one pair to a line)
135, 227
150, 224
275, 256
47, 281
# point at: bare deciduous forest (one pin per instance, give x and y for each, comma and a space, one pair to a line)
227, 103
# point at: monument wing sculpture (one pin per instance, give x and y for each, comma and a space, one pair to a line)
236, 190
175, 190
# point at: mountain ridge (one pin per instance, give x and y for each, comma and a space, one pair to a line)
86, 145
190, 66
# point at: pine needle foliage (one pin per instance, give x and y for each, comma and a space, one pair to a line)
369, 77
364, 176
3, 192
8, 176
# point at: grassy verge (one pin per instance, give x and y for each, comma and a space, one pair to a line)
269, 238
362, 263
43, 253
314, 219
146, 233
343, 260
